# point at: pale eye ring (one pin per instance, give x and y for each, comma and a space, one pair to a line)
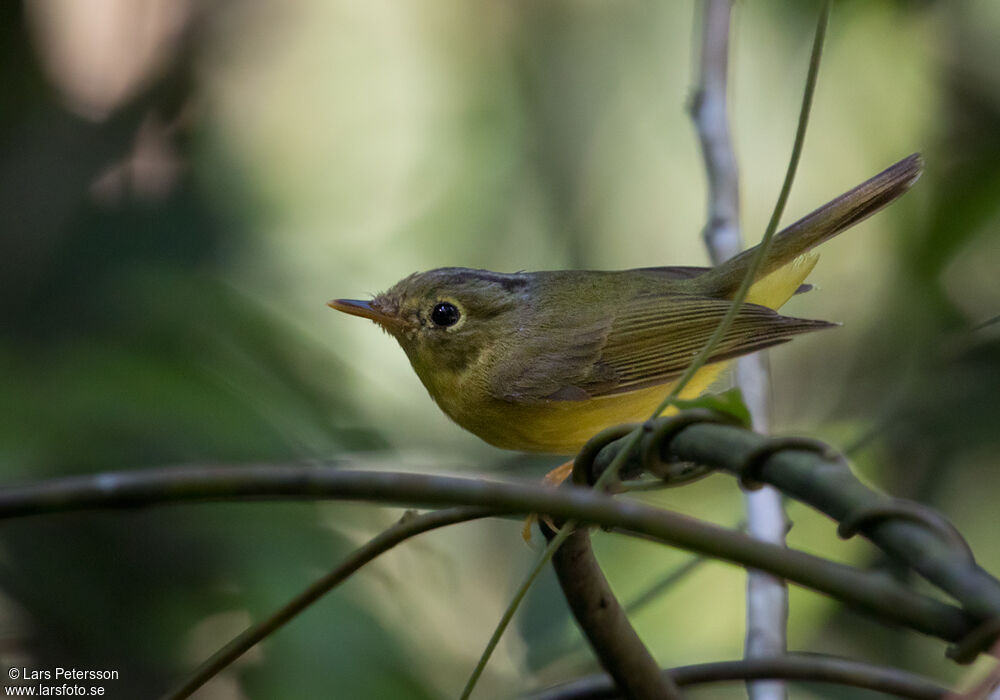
445, 314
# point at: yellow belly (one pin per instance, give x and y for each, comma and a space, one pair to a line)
563, 427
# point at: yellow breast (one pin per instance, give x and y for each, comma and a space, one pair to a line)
563, 427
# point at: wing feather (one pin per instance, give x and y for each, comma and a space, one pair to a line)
654, 340
650, 340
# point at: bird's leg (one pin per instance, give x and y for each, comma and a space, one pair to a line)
553, 478
559, 474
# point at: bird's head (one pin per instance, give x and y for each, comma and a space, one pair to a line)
445, 318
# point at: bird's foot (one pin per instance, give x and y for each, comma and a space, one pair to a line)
553, 478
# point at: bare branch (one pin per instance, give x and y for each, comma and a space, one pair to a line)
604, 623
408, 526
869, 592
711, 119
793, 667
767, 596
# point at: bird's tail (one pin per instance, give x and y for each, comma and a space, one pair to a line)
824, 223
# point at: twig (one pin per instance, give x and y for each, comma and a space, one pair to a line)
793, 667
711, 444
767, 597
604, 623
408, 526
710, 115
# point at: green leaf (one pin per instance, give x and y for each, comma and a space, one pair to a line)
729, 403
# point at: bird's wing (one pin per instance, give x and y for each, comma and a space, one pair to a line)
553, 363
650, 340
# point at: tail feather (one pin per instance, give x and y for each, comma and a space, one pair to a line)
815, 228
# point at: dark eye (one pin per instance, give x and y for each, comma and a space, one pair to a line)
445, 314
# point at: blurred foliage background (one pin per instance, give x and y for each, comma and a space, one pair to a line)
183, 185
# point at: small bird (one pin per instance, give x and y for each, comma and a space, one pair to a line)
541, 361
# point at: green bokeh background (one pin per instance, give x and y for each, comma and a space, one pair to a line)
330, 147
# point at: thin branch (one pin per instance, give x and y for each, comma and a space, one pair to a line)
604, 623
767, 596
813, 668
710, 115
867, 591
408, 526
